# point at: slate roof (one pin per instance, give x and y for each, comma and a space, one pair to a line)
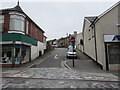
105, 12
19, 9
16, 8
91, 19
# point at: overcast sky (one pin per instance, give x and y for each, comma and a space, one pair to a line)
59, 18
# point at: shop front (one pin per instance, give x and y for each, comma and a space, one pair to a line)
14, 55
16, 49
112, 45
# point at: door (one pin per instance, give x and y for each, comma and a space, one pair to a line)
113, 54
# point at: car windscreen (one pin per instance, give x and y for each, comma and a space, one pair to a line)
71, 50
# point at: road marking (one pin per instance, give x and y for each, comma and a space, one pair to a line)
56, 57
37, 63
93, 74
67, 65
62, 65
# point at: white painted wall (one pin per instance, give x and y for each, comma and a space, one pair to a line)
77, 42
106, 25
45, 43
89, 44
35, 50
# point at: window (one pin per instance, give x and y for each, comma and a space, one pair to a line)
27, 26
17, 22
92, 32
1, 23
89, 34
36, 33
30, 28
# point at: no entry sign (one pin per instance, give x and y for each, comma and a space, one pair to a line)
72, 39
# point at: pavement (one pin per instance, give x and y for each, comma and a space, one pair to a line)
58, 78
85, 74
83, 64
11, 71
88, 65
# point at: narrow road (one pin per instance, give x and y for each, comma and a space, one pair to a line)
48, 73
54, 60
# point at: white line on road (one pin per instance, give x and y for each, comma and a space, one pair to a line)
56, 57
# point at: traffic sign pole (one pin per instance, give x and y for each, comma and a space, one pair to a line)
73, 55
72, 40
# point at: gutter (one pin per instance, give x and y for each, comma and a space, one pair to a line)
93, 24
95, 43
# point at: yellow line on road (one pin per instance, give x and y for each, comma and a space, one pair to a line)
37, 63
62, 65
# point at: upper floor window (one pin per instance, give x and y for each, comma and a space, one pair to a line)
36, 33
17, 22
27, 26
1, 23
30, 28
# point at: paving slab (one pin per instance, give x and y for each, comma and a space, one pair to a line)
60, 73
58, 78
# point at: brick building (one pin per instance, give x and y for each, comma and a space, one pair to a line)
22, 39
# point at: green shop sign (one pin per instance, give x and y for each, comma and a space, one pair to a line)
18, 37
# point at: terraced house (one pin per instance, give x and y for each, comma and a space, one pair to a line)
101, 37
22, 39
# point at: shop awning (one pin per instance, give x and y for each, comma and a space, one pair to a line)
18, 37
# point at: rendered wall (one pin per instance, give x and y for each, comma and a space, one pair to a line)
89, 44
77, 42
35, 50
107, 24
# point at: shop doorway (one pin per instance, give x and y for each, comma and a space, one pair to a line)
112, 55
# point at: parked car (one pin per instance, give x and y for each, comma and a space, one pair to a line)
55, 46
71, 53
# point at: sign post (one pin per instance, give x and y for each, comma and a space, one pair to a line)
72, 40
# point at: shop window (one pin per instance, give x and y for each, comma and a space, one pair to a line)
17, 22
6, 55
1, 23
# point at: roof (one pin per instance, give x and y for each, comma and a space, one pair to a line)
91, 19
18, 9
105, 12
94, 19
112, 7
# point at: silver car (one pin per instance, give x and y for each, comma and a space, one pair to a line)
71, 53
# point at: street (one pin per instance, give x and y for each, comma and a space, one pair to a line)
51, 73
60, 45
54, 60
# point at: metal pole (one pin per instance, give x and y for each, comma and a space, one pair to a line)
73, 55
13, 59
20, 53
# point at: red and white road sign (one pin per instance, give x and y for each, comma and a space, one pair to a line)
72, 40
